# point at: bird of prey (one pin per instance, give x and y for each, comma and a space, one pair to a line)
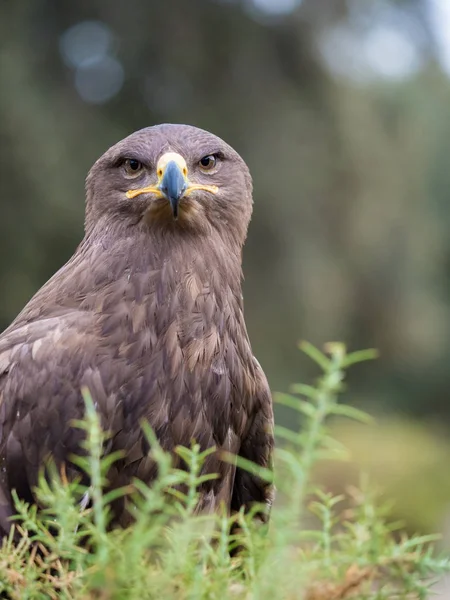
148, 315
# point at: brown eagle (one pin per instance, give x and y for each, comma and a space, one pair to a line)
148, 315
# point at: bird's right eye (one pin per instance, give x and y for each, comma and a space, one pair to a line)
133, 167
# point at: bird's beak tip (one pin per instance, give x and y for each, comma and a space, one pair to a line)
174, 206
173, 184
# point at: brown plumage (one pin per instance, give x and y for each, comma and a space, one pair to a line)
147, 314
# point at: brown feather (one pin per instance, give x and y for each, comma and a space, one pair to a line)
147, 314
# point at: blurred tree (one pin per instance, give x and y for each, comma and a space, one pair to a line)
340, 109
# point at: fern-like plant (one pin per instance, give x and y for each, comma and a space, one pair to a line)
67, 551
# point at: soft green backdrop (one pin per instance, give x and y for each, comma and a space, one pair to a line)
342, 111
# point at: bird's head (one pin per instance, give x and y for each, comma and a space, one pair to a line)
172, 176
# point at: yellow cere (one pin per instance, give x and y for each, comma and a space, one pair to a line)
166, 159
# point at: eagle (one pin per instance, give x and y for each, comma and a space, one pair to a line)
148, 316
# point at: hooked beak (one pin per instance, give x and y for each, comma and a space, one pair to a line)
173, 182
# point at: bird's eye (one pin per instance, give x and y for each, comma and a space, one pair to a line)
208, 162
133, 167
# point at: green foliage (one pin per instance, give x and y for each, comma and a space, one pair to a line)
414, 478
318, 546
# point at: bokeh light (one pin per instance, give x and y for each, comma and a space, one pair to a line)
87, 47
276, 7
97, 81
85, 42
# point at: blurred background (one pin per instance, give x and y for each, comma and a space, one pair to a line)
341, 108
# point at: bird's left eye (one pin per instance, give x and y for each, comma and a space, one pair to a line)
208, 162
133, 167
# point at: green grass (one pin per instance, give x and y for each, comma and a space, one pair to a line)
316, 547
